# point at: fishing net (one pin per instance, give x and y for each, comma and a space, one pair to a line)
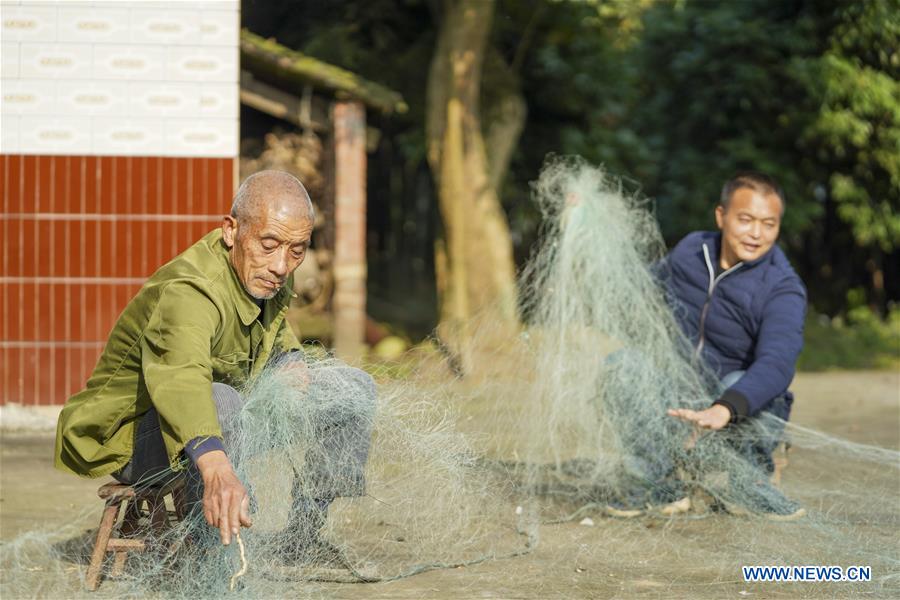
566, 420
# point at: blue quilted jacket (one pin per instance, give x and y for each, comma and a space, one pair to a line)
749, 317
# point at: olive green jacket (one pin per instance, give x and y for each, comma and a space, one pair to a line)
190, 325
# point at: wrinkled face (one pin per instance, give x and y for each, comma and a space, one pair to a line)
749, 226
266, 250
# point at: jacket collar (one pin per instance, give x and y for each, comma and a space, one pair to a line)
714, 243
246, 308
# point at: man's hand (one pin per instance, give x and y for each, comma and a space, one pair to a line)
226, 504
297, 367
714, 417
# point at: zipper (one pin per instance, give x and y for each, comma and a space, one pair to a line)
713, 281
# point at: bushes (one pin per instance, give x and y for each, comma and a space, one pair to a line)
862, 340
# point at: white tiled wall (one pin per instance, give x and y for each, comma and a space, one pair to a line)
122, 77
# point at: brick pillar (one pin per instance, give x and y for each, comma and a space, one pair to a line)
349, 302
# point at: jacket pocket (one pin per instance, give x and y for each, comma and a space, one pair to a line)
231, 368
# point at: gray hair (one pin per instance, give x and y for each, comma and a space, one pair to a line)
260, 186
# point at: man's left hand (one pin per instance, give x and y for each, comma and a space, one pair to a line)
714, 417
298, 367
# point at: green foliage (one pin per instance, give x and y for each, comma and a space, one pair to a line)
861, 341
857, 129
805, 91
675, 96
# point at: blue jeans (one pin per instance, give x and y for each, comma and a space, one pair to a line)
752, 438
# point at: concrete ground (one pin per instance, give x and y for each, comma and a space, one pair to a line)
859, 406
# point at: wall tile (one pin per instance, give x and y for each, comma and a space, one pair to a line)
220, 27
11, 190
106, 176
200, 195
60, 389
9, 60
28, 23
9, 372
28, 97
171, 26
106, 98
90, 188
131, 137
221, 5
12, 249
55, 61
182, 188
199, 63
27, 312
53, 135
219, 100
9, 134
60, 334
59, 186
212, 137
92, 25
164, 99
130, 62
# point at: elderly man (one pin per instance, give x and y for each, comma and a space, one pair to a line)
163, 392
742, 307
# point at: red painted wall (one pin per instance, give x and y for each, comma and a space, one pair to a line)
80, 235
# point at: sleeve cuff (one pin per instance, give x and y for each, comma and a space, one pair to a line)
199, 446
735, 402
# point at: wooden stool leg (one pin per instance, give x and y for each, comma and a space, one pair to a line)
178, 500
107, 521
158, 514
131, 520
119, 563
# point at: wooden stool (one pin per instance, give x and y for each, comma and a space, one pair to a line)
128, 538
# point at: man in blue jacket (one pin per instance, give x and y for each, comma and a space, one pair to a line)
742, 306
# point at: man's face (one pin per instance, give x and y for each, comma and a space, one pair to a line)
749, 226
266, 250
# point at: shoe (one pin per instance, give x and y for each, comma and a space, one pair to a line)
315, 553
765, 500
301, 543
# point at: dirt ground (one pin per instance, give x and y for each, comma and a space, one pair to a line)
859, 406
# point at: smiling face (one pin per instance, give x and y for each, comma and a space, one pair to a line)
265, 248
749, 225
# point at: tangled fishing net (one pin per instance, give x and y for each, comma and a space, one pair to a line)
556, 424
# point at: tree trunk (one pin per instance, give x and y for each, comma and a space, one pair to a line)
478, 273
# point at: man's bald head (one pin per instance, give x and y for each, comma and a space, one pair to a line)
268, 231
275, 191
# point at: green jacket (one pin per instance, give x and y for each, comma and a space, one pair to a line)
190, 325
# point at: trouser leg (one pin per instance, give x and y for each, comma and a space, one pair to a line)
756, 438
342, 400
149, 462
645, 439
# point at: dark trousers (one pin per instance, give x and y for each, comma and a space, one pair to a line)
335, 462
651, 456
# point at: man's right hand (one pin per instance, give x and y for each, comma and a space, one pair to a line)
226, 504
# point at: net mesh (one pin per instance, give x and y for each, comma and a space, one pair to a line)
564, 421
